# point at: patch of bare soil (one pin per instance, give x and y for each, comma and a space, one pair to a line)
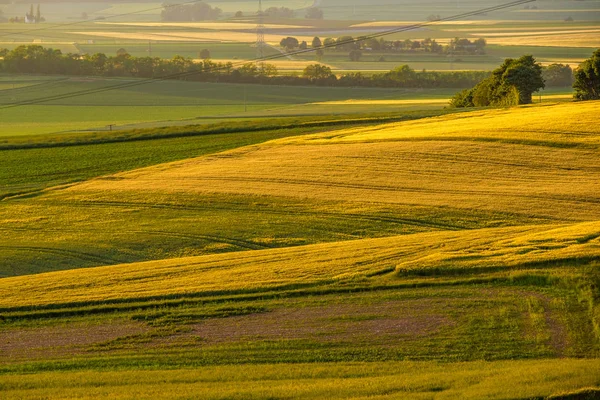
558, 333
384, 321
57, 341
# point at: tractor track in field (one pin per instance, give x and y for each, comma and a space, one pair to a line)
79, 255
471, 160
399, 189
316, 214
245, 244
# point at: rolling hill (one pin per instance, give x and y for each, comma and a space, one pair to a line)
454, 256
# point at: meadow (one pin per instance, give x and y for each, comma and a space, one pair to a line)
167, 103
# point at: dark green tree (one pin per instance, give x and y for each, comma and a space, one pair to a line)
525, 75
317, 71
514, 82
289, 43
355, 55
346, 43
98, 62
464, 98
319, 54
587, 78
204, 54
402, 74
316, 42
314, 13
558, 75
279, 12
372, 44
329, 42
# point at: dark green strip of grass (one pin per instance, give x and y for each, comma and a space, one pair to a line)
246, 126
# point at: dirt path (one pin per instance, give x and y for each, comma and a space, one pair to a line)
558, 333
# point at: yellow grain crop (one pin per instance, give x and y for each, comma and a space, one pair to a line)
511, 161
212, 36
308, 264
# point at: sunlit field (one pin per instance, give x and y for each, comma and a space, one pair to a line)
384, 249
166, 239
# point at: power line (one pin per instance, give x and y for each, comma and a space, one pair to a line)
266, 58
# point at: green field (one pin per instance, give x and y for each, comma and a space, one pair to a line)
170, 103
175, 102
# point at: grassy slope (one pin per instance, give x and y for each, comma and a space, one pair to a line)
517, 284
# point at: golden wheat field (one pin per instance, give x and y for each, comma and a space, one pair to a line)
314, 264
558, 40
503, 160
209, 35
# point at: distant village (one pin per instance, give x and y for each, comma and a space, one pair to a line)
31, 17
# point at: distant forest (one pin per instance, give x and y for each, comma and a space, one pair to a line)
35, 59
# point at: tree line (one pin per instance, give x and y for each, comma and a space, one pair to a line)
35, 59
204, 12
456, 46
190, 12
